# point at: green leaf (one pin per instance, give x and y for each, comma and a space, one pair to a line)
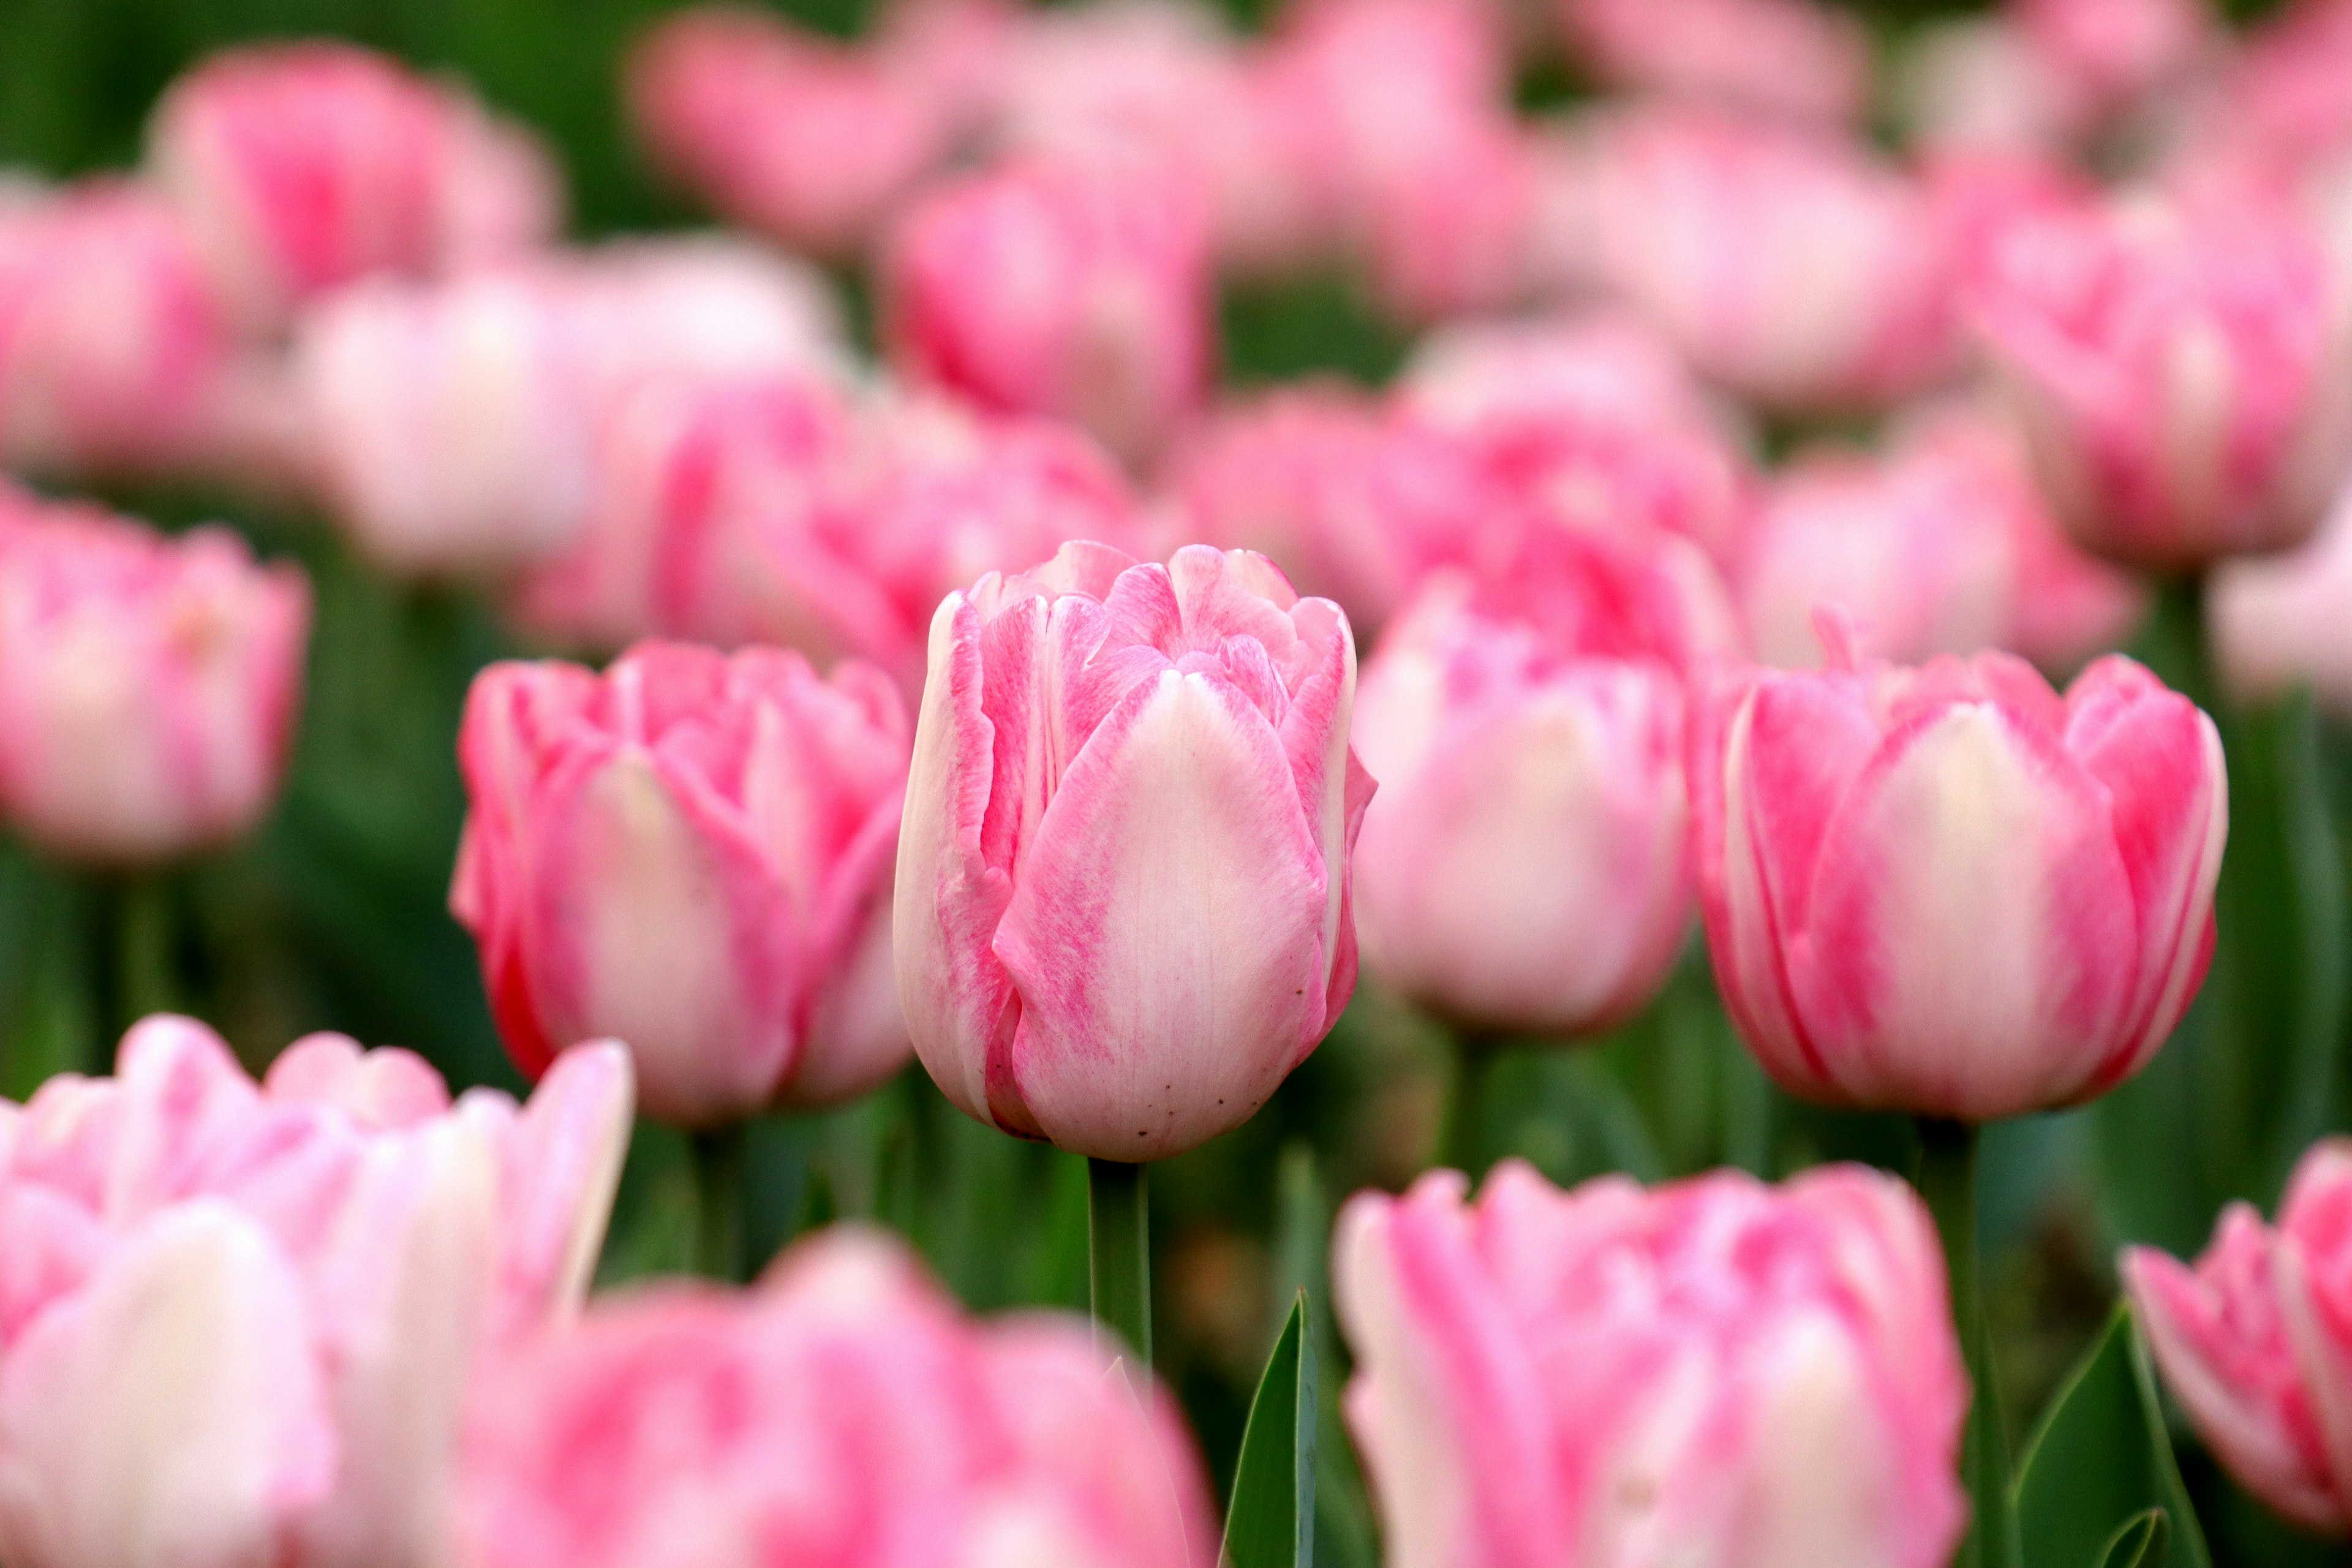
2138, 1543
2101, 1459
1271, 1521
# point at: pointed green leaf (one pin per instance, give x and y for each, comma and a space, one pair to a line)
1271, 1521
2102, 1458
2138, 1543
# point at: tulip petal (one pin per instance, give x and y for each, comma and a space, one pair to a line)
1166, 936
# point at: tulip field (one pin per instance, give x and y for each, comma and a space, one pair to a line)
1160, 783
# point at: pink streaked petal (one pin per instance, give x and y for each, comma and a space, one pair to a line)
186, 1102
387, 1088
1169, 928
561, 1165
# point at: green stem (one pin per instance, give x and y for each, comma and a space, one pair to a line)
718, 1243
1461, 1140
1118, 1234
1948, 1181
131, 966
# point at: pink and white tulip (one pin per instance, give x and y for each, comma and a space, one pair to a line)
2181, 373
1940, 545
240, 1322
2277, 622
1123, 889
1350, 501
2255, 1340
1078, 293
1592, 423
1525, 864
299, 167
1948, 889
842, 1414
689, 853
1716, 1372
811, 142
1796, 57
1790, 266
148, 686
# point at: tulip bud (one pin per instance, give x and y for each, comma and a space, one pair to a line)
2181, 376
689, 853
148, 686
1716, 1374
303, 166
806, 140
239, 1322
2255, 1341
1076, 292
1122, 910
1525, 864
842, 1414
1948, 889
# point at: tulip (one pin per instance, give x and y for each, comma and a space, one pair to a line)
454, 427
1525, 865
2255, 1341
1592, 422
2180, 375
809, 140
2115, 52
1794, 58
240, 1320
1948, 889
1787, 264
1122, 899
1978, 83
111, 350
1717, 1373
1941, 544
1077, 292
689, 853
2277, 622
1349, 501
303, 166
842, 1415
148, 686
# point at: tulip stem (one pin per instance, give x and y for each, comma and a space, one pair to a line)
718, 1244
131, 962
1118, 1271
1948, 1181
1461, 1140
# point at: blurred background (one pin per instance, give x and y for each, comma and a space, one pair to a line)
334, 915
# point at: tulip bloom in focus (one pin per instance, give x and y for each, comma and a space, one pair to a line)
2255, 1339
1948, 889
689, 853
1077, 292
842, 1414
2181, 376
1716, 1374
303, 166
241, 1320
148, 686
1525, 864
1123, 908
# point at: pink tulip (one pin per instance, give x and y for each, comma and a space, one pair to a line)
148, 686
809, 140
689, 853
1978, 83
112, 349
1942, 545
303, 166
1948, 889
1449, 225
452, 428
1525, 865
1717, 1373
2277, 622
2118, 51
1057, 289
1122, 901
1790, 266
1592, 422
1783, 57
842, 1414
1349, 501
239, 1323
2181, 373
2255, 1341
